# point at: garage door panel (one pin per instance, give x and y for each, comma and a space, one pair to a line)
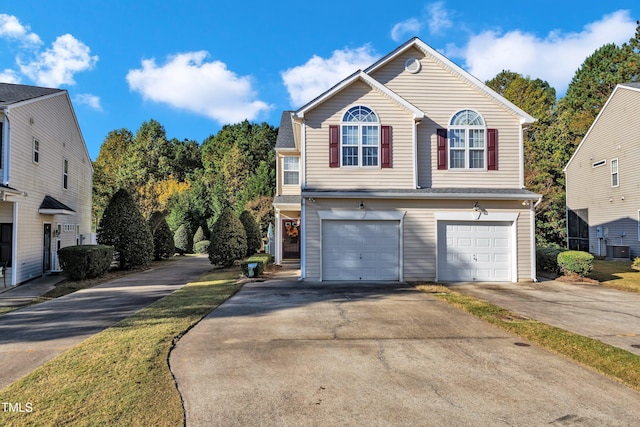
474, 252
360, 250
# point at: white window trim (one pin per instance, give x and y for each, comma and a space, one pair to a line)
615, 173
284, 170
36, 142
467, 149
360, 146
638, 225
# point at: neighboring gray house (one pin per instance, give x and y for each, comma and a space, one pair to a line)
603, 180
47, 177
411, 169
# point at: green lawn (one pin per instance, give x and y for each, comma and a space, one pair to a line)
121, 375
616, 274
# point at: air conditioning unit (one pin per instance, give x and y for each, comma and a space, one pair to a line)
618, 252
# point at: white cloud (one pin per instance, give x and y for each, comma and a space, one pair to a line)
305, 82
437, 17
554, 58
410, 26
56, 66
9, 76
88, 99
434, 16
187, 82
10, 27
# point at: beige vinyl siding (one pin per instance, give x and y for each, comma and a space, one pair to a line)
419, 239
283, 189
55, 127
318, 173
615, 135
441, 94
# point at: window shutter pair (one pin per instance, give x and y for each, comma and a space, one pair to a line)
334, 146
492, 149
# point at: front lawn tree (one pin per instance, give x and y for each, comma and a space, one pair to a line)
254, 238
183, 240
228, 239
123, 227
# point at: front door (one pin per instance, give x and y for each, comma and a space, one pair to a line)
291, 239
46, 250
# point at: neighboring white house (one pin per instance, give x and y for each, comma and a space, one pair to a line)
47, 176
603, 180
409, 170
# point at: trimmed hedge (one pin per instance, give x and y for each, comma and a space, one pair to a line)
547, 259
263, 261
202, 247
85, 261
575, 262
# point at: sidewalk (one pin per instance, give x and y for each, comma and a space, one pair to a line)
18, 296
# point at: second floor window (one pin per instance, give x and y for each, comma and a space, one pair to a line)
65, 173
291, 170
360, 137
614, 173
467, 134
36, 151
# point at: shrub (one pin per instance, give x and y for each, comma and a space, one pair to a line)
163, 246
575, 262
123, 227
228, 239
547, 259
202, 247
183, 240
199, 236
85, 261
263, 260
254, 239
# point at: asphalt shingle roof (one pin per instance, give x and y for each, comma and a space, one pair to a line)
51, 203
285, 132
11, 93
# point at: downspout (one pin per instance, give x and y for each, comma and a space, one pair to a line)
415, 153
14, 248
534, 266
303, 240
6, 142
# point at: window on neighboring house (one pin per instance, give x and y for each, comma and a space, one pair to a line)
467, 141
614, 173
291, 170
6, 237
360, 137
65, 173
36, 151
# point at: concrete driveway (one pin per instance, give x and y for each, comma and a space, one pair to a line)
594, 311
288, 353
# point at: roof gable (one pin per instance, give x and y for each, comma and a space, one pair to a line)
14, 93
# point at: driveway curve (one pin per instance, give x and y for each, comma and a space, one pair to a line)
285, 352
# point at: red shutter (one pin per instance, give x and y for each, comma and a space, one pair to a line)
492, 149
385, 147
442, 149
334, 146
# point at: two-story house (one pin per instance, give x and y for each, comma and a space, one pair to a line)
409, 170
603, 179
47, 175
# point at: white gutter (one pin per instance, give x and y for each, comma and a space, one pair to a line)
303, 250
419, 195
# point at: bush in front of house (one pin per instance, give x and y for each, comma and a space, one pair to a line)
202, 247
262, 261
85, 261
183, 240
123, 227
575, 262
547, 259
163, 246
228, 239
254, 239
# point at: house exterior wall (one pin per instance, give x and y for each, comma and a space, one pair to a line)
441, 94
282, 189
419, 232
55, 127
614, 135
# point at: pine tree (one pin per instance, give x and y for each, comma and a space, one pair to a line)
183, 240
254, 238
163, 241
228, 239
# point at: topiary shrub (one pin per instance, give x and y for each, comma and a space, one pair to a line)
85, 261
202, 247
163, 246
547, 259
262, 261
254, 239
183, 240
199, 236
123, 227
228, 239
575, 262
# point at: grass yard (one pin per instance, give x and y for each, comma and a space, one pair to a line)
611, 361
616, 274
121, 375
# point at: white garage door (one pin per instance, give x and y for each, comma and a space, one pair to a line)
360, 250
469, 251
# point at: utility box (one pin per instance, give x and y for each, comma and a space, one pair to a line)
620, 252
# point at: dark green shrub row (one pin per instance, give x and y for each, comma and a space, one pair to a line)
202, 247
85, 261
575, 262
547, 259
263, 260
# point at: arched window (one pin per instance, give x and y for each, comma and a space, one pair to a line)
467, 141
360, 137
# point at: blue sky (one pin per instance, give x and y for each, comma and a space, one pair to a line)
195, 65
